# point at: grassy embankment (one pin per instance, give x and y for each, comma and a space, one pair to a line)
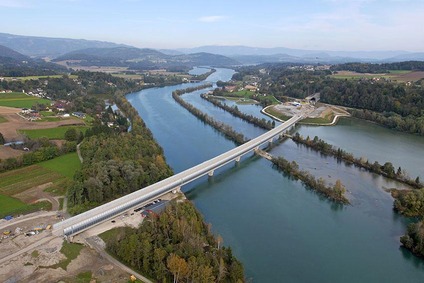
21, 100
314, 121
52, 133
58, 171
248, 97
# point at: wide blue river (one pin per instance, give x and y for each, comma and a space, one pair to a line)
281, 231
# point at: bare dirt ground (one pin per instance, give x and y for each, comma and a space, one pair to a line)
15, 122
37, 193
36, 259
7, 152
413, 76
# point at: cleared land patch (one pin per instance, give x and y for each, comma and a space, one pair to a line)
395, 75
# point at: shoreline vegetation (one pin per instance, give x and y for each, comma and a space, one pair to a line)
224, 129
262, 123
409, 203
334, 193
387, 169
176, 245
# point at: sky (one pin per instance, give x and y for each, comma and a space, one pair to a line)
345, 25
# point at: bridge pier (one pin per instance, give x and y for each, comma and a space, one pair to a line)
238, 159
210, 174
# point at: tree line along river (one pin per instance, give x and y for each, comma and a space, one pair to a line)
281, 231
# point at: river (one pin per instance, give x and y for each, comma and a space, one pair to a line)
281, 231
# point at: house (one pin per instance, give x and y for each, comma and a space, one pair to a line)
230, 88
26, 111
79, 115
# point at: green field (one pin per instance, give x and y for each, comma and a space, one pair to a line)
19, 180
71, 252
52, 133
21, 100
38, 77
248, 97
392, 75
65, 165
2, 119
12, 206
59, 171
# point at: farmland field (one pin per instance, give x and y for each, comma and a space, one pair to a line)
38, 77
395, 75
52, 133
19, 180
20, 100
58, 171
65, 165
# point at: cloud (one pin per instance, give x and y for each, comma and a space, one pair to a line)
211, 19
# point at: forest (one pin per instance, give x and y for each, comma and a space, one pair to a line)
116, 164
379, 68
177, 246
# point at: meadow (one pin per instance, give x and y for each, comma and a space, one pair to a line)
21, 100
59, 171
52, 133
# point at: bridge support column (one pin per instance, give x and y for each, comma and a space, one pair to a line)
210, 174
238, 159
271, 140
176, 189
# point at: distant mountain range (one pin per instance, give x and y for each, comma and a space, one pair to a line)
100, 53
35, 46
250, 55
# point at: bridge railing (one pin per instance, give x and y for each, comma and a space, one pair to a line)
106, 211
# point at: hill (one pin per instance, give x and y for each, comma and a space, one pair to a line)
15, 64
9, 54
35, 46
137, 58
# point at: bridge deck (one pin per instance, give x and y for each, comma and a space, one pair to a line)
101, 213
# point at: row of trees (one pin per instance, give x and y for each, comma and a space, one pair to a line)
262, 123
387, 169
334, 193
191, 89
177, 246
379, 68
40, 150
223, 128
391, 120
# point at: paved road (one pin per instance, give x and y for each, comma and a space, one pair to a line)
15, 221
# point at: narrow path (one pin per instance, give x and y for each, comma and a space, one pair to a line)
79, 153
94, 243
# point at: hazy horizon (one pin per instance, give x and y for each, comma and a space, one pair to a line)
333, 25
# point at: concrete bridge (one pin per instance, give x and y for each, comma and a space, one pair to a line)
86, 220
